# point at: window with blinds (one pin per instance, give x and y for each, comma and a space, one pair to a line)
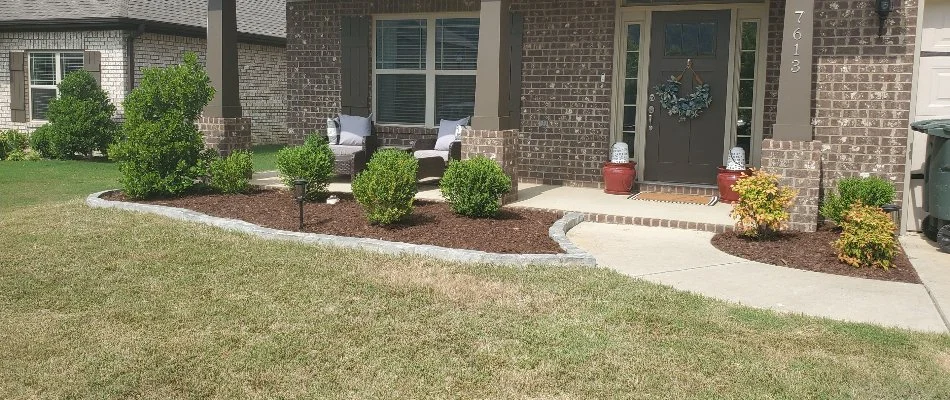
425, 70
46, 72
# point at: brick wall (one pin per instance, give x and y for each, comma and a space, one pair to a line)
111, 45
799, 166
262, 78
862, 87
565, 105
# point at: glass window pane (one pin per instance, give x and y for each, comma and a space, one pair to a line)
747, 68
744, 122
750, 35
42, 69
674, 40
401, 44
630, 118
401, 99
454, 97
630, 92
707, 39
745, 143
70, 62
690, 39
630, 138
746, 90
39, 102
633, 37
456, 44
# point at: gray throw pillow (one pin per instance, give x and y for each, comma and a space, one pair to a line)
354, 129
447, 133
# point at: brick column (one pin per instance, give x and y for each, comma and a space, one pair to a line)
223, 124
798, 164
501, 146
226, 134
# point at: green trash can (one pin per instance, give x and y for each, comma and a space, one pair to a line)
937, 178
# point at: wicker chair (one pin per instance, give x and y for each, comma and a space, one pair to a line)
351, 160
432, 163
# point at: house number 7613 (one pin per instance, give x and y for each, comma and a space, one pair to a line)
797, 35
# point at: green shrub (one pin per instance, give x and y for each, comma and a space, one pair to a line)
313, 161
867, 237
40, 142
16, 155
80, 119
160, 152
474, 187
873, 191
12, 140
232, 174
387, 187
762, 209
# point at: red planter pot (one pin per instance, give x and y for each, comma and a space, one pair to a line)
619, 177
725, 179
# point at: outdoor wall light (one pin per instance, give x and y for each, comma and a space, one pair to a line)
300, 193
884, 8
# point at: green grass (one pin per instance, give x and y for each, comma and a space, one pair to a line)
265, 157
33, 182
107, 304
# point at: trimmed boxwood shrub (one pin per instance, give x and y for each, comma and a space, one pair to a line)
867, 237
387, 188
873, 191
474, 187
80, 119
160, 152
12, 142
231, 174
313, 161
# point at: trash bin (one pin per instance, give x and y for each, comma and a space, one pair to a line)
937, 177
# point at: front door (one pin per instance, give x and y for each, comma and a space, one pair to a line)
687, 151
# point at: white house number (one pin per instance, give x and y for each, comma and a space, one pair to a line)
797, 35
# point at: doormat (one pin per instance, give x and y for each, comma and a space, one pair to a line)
677, 198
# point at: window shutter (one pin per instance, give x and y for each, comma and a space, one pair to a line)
355, 73
17, 86
514, 87
92, 61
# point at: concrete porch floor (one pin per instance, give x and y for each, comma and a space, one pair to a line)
597, 205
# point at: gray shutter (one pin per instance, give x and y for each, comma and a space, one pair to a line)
514, 86
355, 73
18, 86
91, 62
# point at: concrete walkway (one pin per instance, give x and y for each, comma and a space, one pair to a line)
686, 260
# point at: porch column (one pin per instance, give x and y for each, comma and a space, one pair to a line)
223, 123
492, 79
792, 153
793, 121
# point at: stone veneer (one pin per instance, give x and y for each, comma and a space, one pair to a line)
799, 165
501, 146
226, 135
862, 92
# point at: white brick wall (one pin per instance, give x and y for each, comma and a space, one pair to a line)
110, 43
263, 78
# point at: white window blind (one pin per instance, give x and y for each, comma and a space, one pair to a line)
425, 70
47, 70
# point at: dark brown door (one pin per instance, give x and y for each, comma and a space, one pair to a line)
688, 151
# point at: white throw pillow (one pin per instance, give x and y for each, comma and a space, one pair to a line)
354, 129
447, 133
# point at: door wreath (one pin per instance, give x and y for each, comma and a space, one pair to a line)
688, 107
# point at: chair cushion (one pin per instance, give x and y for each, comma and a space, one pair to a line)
432, 154
447, 133
344, 150
354, 130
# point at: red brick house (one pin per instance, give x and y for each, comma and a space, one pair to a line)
814, 90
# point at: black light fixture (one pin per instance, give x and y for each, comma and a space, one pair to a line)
300, 194
884, 8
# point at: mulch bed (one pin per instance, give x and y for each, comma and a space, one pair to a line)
512, 232
811, 252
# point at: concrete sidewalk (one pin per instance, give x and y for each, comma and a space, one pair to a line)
687, 260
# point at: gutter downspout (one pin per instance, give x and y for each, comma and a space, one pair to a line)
130, 55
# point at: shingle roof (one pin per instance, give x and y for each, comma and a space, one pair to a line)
257, 17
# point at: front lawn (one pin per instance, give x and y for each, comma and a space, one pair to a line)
265, 157
105, 304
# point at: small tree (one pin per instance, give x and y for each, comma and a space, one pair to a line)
80, 119
160, 152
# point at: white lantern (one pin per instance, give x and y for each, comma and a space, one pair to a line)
620, 153
736, 159
332, 131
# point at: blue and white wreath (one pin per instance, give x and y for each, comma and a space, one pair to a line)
685, 108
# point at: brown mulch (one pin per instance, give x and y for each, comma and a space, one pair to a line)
433, 223
811, 252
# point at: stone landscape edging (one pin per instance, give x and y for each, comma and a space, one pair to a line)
573, 256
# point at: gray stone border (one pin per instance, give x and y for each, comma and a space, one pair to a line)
574, 255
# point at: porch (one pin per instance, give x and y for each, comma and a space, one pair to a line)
596, 205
